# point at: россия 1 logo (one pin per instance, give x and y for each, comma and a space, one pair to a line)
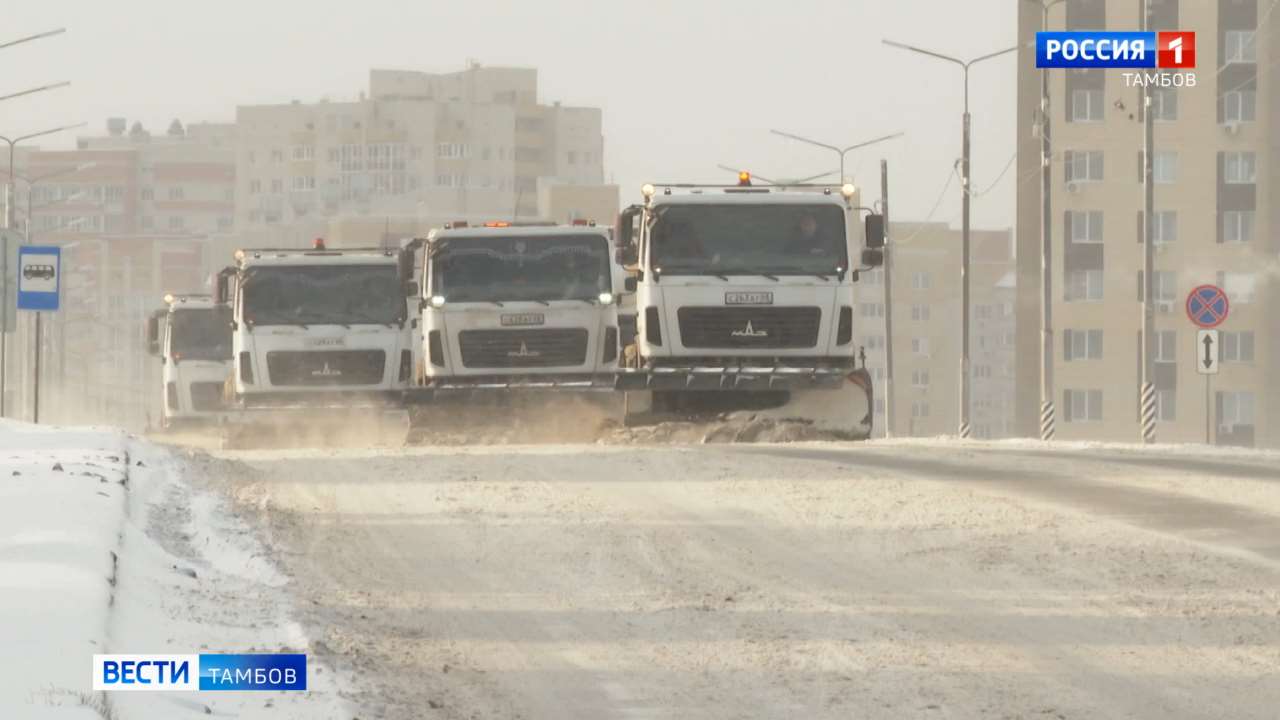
1129, 50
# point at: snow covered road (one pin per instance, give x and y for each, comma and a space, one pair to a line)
891, 579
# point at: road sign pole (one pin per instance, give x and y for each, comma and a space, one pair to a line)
35, 403
1208, 409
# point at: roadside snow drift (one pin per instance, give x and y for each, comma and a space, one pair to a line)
104, 548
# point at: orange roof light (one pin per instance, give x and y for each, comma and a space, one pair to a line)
580, 222
497, 223
744, 178
318, 244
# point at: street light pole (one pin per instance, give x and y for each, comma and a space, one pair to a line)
966, 193
1048, 421
838, 150
4, 252
29, 38
1147, 392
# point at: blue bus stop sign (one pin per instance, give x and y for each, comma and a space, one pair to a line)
39, 277
1207, 306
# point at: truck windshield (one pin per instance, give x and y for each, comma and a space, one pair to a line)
500, 269
323, 295
201, 333
748, 239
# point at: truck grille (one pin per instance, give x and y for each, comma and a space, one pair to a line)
328, 367
562, 347
749, 328
206, 396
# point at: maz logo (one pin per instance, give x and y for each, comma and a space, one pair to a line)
523, 352
326, 371
749, 331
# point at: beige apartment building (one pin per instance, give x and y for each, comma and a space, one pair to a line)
419, 148
1215, 222
926, 336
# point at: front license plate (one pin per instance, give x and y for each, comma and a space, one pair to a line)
748, 298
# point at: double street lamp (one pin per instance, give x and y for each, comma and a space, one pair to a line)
965, 193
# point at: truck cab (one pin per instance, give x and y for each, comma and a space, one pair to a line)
191, 335
505, 306
318, 328
747, 290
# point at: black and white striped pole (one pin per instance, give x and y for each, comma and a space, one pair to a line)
1148, 413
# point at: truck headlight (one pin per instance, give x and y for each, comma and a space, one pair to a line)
437, 301
605, 298
648, 190
847, 190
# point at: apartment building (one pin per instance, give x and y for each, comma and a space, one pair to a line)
470, 144
1215, 222
926, 310
135, 214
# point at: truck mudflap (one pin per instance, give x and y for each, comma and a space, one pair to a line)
732, 377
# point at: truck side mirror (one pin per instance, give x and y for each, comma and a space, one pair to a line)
872, 257
627, 252
221, 291
411, 289
629, 284
875, 231
153, 335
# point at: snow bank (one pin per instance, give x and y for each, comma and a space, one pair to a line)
62, 508
105, 548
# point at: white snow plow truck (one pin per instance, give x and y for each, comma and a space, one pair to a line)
322, 346
191, 335
508, 306
744, 300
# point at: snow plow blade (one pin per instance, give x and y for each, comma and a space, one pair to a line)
837, 401
318, 421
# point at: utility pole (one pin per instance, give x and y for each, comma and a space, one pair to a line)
1147, 392
966, 192
1048, 421
888, 302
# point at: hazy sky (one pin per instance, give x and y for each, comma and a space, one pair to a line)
684, 85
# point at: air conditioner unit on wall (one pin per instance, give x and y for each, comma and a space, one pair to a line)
1231, 128
1073, 187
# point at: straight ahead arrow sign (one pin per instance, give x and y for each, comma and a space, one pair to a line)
1207, 352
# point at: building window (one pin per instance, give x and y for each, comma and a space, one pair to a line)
920, 346
1166, 405
277, 155
871, 310
1081, 406
453, 150
255, 187
1084, 286
874, 342
873, 278
304, 152
919, 409
920, 281
1240, 168
1239, 46
920, 379
1240, 106
277, 186
1165, 347
1085, 226
920, 313
1165, 227
147, 222
175, 192
1164, 168
175, 222
1235, 408
1237, 226
1082, 345
1241, 288
302, 183
1084, 166
148, 193
224, 222
1164, 105
1086, 106
1237, 347
982, 372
